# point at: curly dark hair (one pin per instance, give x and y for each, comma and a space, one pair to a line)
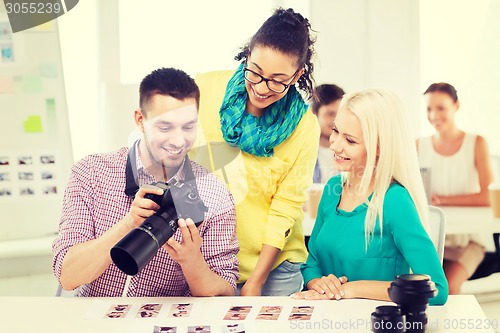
288, 32
170, 82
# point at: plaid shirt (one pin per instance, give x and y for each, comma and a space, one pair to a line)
94, 201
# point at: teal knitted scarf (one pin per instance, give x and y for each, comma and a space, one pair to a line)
258, 135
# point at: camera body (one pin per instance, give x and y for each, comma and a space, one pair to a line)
140, 245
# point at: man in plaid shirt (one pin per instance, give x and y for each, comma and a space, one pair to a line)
97, 212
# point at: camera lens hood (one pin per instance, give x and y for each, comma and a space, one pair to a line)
387, 318
412, 289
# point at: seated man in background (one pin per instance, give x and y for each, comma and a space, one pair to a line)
325, 104
100, 207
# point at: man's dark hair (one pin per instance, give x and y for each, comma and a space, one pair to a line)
169, 82
445, 88
325, 94
288, 32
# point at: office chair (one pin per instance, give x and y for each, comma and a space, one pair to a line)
60, 292
491, 261
437, 224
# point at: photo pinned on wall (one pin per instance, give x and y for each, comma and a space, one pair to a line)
26, 175
47, 159
117, 311
233, 328
165, 329
25, 160
301, 312
7, 52
4, 176
180, 310
199, 329
5, 191
5, 31
50, 190
47, 175
239, 312
149, 310
26, 191
4, 160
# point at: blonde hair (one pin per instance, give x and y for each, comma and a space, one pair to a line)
391, 152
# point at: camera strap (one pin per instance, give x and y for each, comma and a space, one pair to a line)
131, 173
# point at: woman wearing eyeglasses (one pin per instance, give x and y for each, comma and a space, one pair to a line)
258, 110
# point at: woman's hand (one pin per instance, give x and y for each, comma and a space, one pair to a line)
436, 200
251, 289
326, 287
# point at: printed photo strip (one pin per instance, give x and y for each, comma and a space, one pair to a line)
302, 312
165, 329
233, 328
237, 312
199, 329
117, 311
149, 310
269, 313
180, 310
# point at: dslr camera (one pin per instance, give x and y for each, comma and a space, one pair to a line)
140, 245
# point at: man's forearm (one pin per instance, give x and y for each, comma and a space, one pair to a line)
85, 262
203, 281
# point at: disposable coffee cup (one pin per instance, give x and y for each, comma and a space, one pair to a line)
494, 189
314, 196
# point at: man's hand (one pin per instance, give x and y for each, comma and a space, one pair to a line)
142, 207
188, 250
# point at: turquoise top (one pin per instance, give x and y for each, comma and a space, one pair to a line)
337, 242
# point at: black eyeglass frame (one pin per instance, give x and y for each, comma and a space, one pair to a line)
285, 86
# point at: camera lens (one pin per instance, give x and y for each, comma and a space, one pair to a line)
140, 245
387, 318
134, 249
412, 293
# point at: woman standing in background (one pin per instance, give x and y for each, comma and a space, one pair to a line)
460, 174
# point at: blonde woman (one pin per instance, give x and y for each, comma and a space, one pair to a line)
352, 254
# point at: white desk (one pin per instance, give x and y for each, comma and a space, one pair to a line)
51, 314
466, 220
459, 220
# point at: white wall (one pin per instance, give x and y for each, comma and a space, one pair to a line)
461, 45
78, 34
403, 45
365, 44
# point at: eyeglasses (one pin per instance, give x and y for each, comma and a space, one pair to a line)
277, 87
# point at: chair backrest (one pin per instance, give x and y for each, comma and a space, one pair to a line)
426, 179
60, 292
437, 224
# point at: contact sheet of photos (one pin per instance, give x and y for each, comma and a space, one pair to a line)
192, 317
28, 175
